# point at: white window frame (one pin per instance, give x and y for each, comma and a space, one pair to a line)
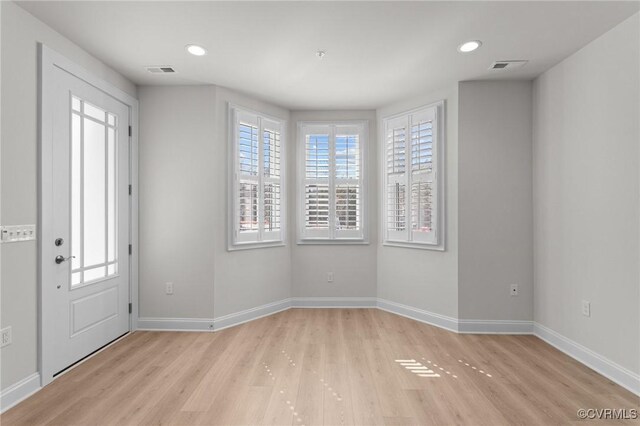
333, 236
261, 238
434, 240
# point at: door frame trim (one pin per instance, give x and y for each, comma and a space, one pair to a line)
48, 61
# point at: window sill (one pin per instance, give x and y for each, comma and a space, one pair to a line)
411, 245
252, 246
328, 242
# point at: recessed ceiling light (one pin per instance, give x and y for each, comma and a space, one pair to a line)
469, 46
196, 50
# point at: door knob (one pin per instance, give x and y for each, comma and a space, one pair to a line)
60, 258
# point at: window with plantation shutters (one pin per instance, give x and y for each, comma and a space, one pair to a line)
257, 193
413, 165
331, 185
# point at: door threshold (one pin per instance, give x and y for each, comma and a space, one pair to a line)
91, 355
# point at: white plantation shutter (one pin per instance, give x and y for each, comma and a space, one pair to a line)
272, 194
317, 151
247, 220
332, 193
423, 203
412, 145
396, 198
347, 183
257, 193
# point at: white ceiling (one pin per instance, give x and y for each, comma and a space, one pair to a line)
377, 52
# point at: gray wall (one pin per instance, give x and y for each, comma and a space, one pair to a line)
19, 80
183, 209
353, 265
495, 216
177, 200
586, 191
426, 279
246, 278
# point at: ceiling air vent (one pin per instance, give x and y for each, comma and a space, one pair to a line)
161, 70
507, 65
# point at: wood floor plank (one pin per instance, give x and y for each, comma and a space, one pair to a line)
171, 365
284, 370
202, 397
236, 392
337, 403
195, 362
385, 374
309, 404
364, 399
305, 367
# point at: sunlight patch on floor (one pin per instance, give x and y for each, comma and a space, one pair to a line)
473, 367
417, 368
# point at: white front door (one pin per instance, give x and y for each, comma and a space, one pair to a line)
85, 246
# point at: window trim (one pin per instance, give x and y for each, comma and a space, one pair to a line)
363, 127
232, 181
441, 173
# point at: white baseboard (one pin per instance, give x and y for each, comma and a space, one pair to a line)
609, 369
457, 325
241, 317
213, 324
442, 321
495, 327
333, 302
432, 318
175, 324
19, 391
237, 318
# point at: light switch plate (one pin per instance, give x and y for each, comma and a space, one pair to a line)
17, 233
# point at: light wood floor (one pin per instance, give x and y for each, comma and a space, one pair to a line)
323, 366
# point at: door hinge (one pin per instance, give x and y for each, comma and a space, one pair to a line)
130, 308
130, 131
130, 189
130, 249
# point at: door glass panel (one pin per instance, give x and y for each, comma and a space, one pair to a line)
94, 179
94, 193
75, 278
111, 195
94, 274
76, 154
93, 112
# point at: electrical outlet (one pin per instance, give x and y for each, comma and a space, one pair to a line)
5, 337
514, 290
586, 308
168, 288
329, 277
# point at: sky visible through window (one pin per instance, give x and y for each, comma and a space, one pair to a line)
248, 148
